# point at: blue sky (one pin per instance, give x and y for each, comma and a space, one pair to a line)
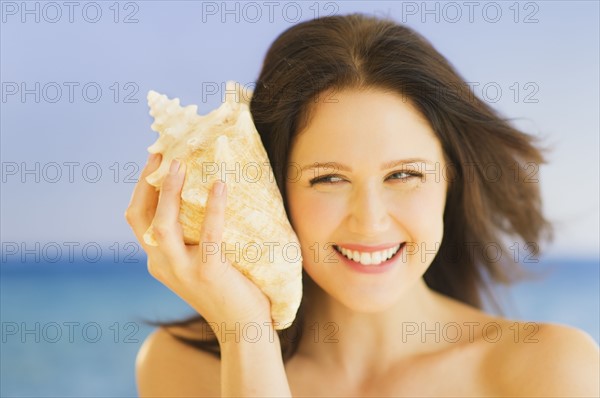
543, 56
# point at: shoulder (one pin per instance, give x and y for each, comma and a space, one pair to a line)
167, 367
543, 359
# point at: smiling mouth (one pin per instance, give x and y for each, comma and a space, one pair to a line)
369, 258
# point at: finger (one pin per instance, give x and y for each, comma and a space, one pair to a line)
211, 232
167, 230
142, 205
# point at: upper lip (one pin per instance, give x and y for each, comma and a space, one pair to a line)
367, 248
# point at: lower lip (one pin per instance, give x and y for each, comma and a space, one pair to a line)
371, 269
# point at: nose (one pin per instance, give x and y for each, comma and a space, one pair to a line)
368, 212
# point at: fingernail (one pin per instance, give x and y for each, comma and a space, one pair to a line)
174, 166
218, 188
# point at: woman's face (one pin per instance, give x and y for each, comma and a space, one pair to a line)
365, 177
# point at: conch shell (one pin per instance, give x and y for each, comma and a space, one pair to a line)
224, 144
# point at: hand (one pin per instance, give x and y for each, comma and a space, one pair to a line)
207, 282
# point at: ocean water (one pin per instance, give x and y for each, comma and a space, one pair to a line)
73, 330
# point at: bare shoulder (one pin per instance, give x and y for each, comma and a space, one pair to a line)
544, 359
167, 367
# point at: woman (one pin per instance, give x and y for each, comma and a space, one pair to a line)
395, 153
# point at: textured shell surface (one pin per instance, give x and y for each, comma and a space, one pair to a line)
258, 238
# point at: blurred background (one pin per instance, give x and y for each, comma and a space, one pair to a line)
74, 128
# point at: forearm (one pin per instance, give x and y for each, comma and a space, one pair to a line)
252, 365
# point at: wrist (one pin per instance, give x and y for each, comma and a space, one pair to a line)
245, 332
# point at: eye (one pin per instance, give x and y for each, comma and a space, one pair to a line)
405, 175
328, 179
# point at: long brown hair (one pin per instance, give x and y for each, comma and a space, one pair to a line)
483, 208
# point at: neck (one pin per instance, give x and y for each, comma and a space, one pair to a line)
352, 342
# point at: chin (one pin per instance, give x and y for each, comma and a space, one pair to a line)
362, 297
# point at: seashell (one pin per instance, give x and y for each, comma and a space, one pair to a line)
224, 144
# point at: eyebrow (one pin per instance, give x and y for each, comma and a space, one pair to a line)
343, 167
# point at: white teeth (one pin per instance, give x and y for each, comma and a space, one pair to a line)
365, 258
374, 258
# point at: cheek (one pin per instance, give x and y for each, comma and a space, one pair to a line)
313, 217
314, 220
421, 213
